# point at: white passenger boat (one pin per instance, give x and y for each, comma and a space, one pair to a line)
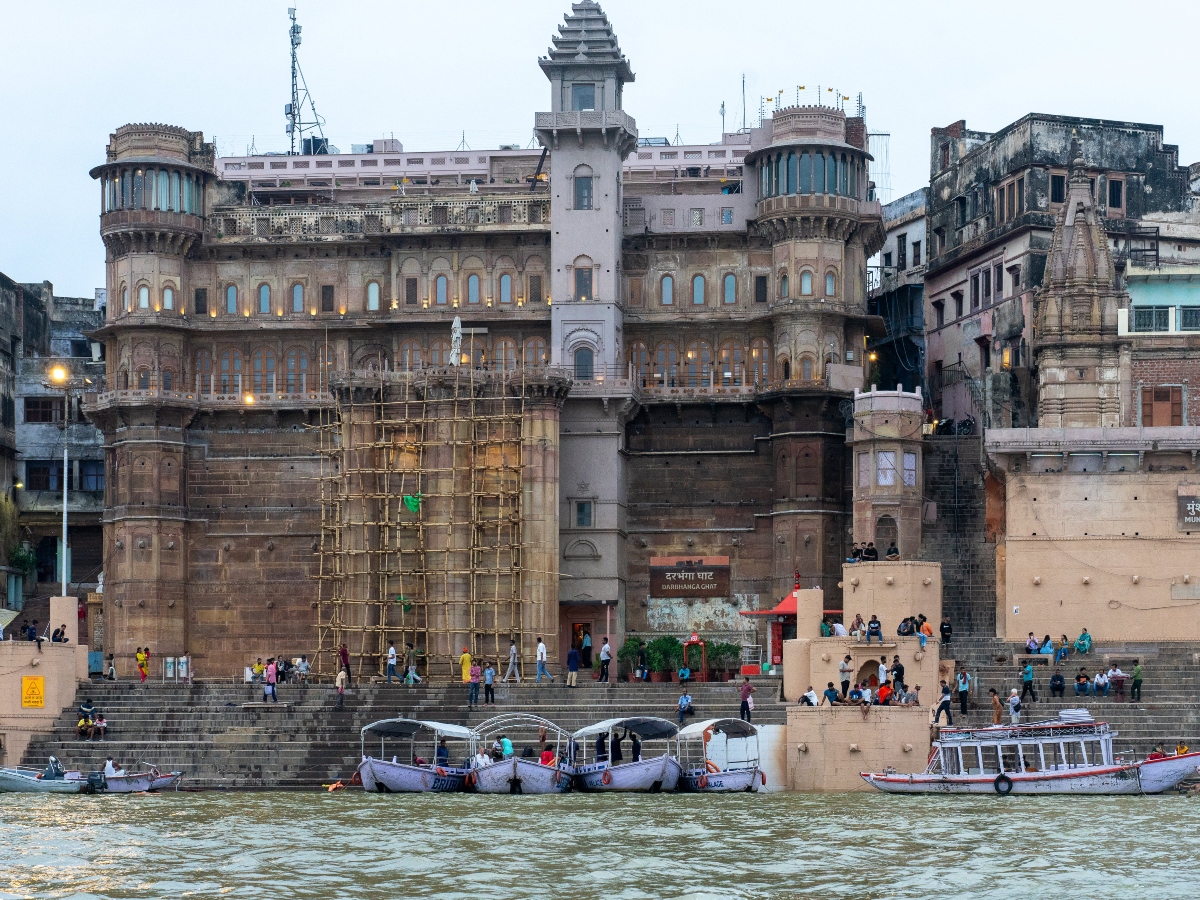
134, 782
601, 742
1068, 755
440, 770
519, 774
51, 780
720, 756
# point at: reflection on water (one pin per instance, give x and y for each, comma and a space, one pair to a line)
353, 845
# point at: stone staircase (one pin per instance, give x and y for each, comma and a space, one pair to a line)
222, 736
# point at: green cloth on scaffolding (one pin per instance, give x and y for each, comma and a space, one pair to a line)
413, 502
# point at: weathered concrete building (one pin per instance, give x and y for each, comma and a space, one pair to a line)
993, 202
897, 294
704, 309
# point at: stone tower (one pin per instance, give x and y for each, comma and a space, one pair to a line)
1083, 366
888, 477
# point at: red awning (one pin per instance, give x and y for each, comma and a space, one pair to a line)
786, 607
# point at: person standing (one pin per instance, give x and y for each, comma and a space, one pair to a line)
410, 662
272, 678
997, 707
944, 706
572, 667
475, 674
605, 659
1014, 707
883, 670
1135, 685
845, 669
512, 663
340, 683
962, 681
541, 663
143, 662
643, 670
391, 661
747, 704
344, 661
587, 649
946, 629
897, 672
489, 685
464, 662
1027, 682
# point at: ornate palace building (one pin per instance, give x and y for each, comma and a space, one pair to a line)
657, 347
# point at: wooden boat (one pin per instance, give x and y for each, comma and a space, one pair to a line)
524, 775
645, 774
135, 782
1068, 755
51, 780
720, 756
418, 773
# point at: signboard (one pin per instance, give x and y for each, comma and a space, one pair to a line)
689, 576
33, 692
1189, 513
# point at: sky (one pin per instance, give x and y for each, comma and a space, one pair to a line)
428, 73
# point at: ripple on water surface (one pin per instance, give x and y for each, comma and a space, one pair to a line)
394, 847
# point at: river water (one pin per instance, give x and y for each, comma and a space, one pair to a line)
354, 845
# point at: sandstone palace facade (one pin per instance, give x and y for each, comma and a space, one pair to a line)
657, 347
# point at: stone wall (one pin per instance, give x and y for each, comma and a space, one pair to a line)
829, 746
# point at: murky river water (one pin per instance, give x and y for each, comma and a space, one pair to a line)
353, 845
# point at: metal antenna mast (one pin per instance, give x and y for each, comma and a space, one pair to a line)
294, 111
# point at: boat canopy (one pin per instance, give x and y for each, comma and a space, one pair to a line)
517, 720
648, 728
406, 728
732, 728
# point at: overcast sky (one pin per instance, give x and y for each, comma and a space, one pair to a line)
426, 72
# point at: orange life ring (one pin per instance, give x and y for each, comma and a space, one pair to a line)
702, 781
707, 735
606, 778
356, 778
470, 779
441, 773
712, 766
763, 776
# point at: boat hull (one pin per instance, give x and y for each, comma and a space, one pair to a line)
522, 776
164, 782
399, 778
16, 782
1098, 780
128, 784
659, 773
727, 782
1158, 775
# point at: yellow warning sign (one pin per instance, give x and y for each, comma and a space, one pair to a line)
33, 691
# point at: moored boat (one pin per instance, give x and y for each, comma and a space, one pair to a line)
518, 774
607, 770
1068, 755
719, 756
436, 772
51, 780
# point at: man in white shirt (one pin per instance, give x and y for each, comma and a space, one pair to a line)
482, 759
391, 663
1100, 684
839, 630
110, 770
605, 658
512, 663
810, 698
845, 671
883, 669
541, 662
866, 693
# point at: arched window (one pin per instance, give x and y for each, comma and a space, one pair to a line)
668, 290
143, 297
231, 371
504, 354
785, 369
297, 371
231, 300
439, 353
373, 296
264, 299
830, 284
806, 368
584, 359
143, 379
125, 298
535, 352
783, 287
297, 298
168, 380
441, 288
264, 371
697, 290
730, 292
639, 358
831, 174
760, 361
204, 383
806, 288
472, 288
698, 363
731, 362
584, 187
666, 365
168, 297
506, 288
410, 356
818, 173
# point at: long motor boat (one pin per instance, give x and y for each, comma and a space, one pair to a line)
600, 742
1068, 755
519, 774
418, 773
133, 782
720, 756
51, 780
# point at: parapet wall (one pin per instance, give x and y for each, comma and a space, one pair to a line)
892, 591
828, 747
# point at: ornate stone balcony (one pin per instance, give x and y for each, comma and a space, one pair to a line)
149, 231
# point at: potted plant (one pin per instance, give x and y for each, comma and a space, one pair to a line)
664, 655
627, 658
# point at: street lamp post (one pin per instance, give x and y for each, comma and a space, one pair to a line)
59, 376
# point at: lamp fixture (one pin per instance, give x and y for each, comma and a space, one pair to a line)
58, 374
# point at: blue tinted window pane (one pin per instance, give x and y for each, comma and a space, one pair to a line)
730, 288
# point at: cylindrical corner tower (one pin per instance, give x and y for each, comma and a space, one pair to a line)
888, 477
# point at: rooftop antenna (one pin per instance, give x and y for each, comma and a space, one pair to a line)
744, 101
252, 150
462, 145
722, 120
297, 124
881, 169
862, 109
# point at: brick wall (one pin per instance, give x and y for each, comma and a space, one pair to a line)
1155, 371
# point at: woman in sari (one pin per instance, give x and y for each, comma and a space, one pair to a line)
1083, 643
